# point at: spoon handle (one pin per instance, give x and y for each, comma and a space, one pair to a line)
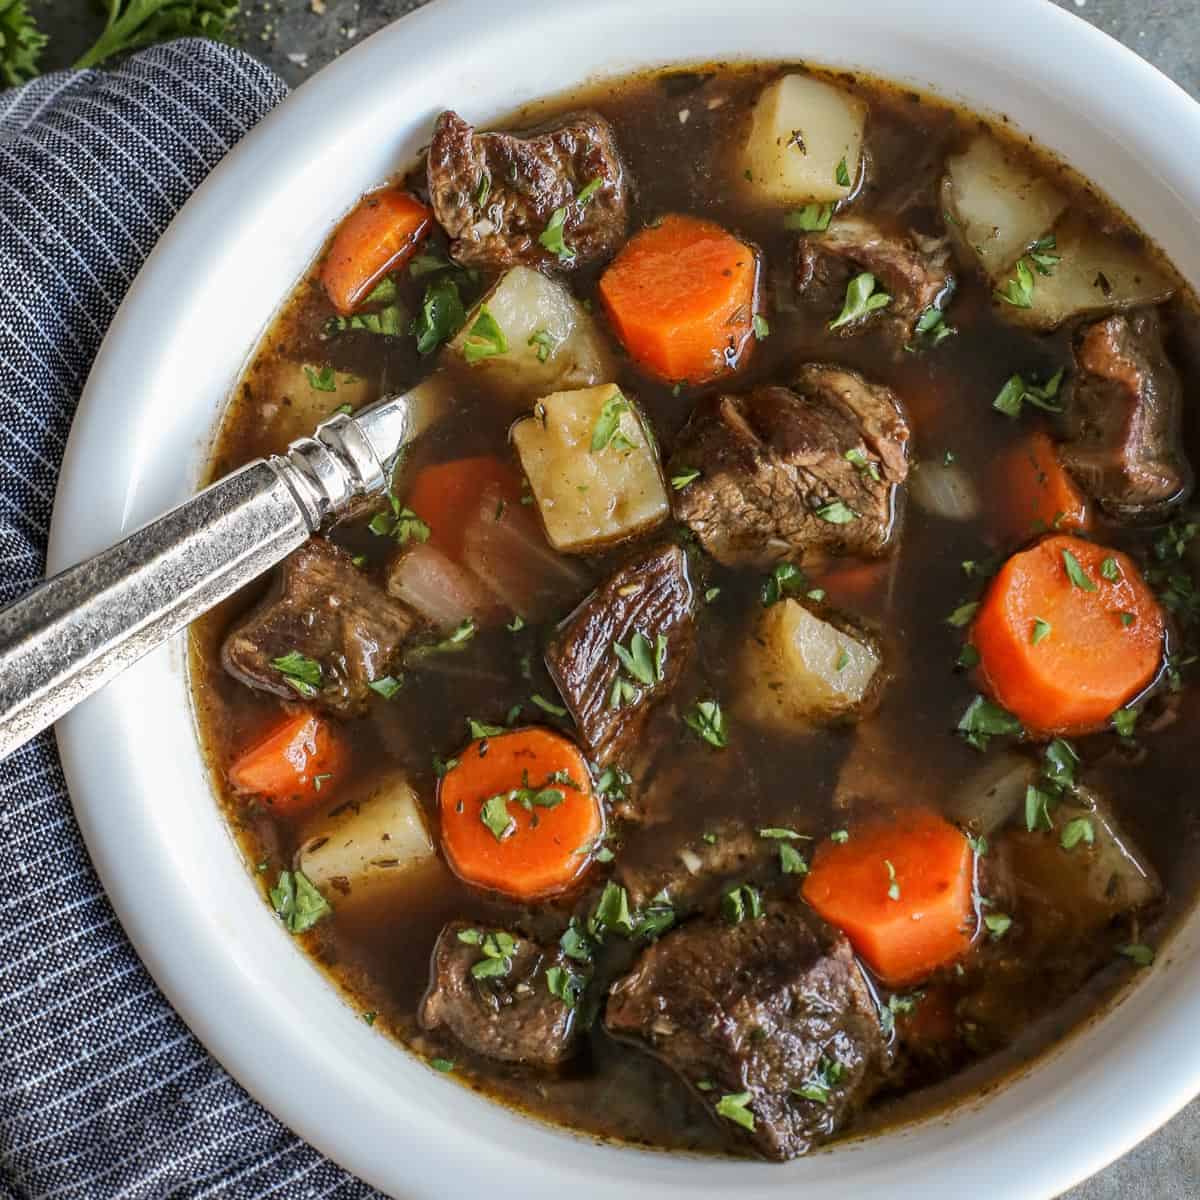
74, 632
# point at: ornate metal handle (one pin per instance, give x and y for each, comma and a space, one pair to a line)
73, 633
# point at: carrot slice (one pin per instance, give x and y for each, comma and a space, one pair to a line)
446, 497
900, 891
519, 814
681, 297
1040, 493
296, 765
1068, 632
380, 234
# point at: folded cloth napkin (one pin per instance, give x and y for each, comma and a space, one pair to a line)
103, 1091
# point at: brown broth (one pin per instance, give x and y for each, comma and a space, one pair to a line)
378, 950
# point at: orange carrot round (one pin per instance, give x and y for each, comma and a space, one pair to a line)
1040, 494
380, 234
900, 890
681, 298
519, 815
1068, 632
295, 766
446, 496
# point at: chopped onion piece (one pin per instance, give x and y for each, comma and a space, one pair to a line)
944, 490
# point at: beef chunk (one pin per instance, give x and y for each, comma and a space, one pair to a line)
1123, 408
913, 270
510, 1016
758, 1007
494, 193
698, 869
651, 595
775, 480
327, 610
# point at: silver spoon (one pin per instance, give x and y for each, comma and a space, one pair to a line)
73, 633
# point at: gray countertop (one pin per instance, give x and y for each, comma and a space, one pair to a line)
296, 37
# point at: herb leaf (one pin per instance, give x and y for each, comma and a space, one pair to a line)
495, 815
707, 722
299, 672
735, 1107
837, 512
1076, 574
608, 422
861, 300
984, 720
485, 338
1076, 831
297, 902
812, 218
442, 315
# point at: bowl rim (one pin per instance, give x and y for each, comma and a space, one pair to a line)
259, 995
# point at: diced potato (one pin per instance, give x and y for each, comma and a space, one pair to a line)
800, 132
587, 496
1000, 206
287, 399
1067, 894
991, 796
1096, 273
552, 341
356, 849
797, 668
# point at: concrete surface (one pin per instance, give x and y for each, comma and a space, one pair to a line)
297, 37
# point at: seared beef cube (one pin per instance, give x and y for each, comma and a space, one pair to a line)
913, 270
758, 1007
500, 1004
784, 471
1123, 408
699, 869
326, 610
496, 193
650, 602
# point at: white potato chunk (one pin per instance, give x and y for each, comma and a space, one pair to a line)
1070, 892
593, 468
999, 205
551, 340
1096, 273
992, 796
797, 668
296, 397
800, 131
356, 849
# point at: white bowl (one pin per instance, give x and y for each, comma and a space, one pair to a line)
138, 446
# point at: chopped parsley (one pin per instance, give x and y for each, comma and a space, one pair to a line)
387, 686
984, 720
786, 579
495, 815
401, 524
1076, 574
841, 174
301, 673
1138, 952
1041, 631
837, 512
893, 887
443, 766
963, 615
1076, 831
565, 984
607, 428
1125, 720
297, 902
545, 342
683, 477
817, 1089
548, 706
1110, 570
1017, 392
322, 380
735, 1107
865, 466
498, 948
761, 326
707, 722
840, 836
741, 903
861, 300
998, 924
516, 624
611, 913
441, 316
444, 1065
553, 237
481, 729
644, 663
812, 218
485, 338
791, 861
